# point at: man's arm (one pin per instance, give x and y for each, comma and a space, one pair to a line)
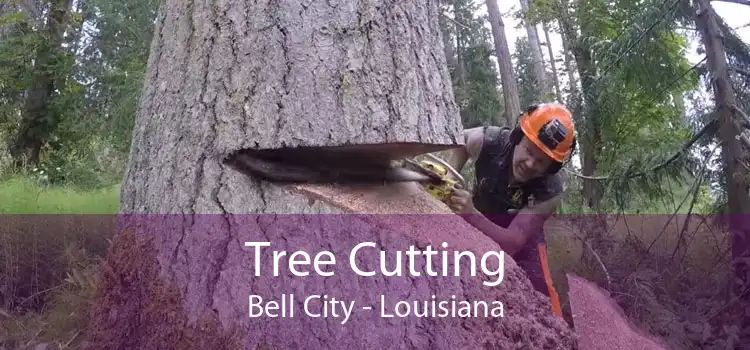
473, 139
528, 222
508, 241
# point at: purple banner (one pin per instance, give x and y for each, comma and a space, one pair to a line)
329, 280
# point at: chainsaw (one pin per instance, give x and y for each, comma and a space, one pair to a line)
447, 178
320, 165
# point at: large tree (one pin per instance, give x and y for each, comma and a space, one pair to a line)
537, 58
38, 115
735, 145
475, 85
226, 77
502, 52
529, 90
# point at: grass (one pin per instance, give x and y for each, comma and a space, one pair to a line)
23, 195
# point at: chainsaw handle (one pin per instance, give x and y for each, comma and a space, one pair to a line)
449, 167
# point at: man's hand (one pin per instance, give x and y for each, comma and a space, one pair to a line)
461, 202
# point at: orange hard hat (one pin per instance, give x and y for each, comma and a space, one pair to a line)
550, 127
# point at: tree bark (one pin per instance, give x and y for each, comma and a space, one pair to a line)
553, 64
508, 80
373, 74
733, 155
591, 140
536, 56
233, 76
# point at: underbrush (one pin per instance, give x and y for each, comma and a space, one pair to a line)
671, 279
48, 262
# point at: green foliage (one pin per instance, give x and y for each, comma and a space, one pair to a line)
475, 80
119, 64
17, 51
539, 11
638, 67
529, 89
97, 84
479, 95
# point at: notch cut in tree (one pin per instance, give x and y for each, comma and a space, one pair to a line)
228, 76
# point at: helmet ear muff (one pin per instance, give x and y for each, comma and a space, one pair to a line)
516, 135
557, 166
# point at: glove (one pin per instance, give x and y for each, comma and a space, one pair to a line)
460, 201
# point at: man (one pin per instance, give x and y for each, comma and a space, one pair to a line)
518, 187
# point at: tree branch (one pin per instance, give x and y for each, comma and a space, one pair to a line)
741, 71
601, 263
745, 119
671, 159
746, 123
745, 140
454, 21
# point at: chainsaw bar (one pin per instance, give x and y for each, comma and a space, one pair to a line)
324, 168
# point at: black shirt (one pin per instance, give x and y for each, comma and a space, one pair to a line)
493, 194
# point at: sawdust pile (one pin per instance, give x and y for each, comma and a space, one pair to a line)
135, 308
601, 323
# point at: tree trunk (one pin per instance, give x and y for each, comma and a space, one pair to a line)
38, 119
569, 68
447, 42
233, 76
590, 139
679, 103
272, 89
460, 70
510, 85
733, 155
594, 228
553, 64
536, 56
